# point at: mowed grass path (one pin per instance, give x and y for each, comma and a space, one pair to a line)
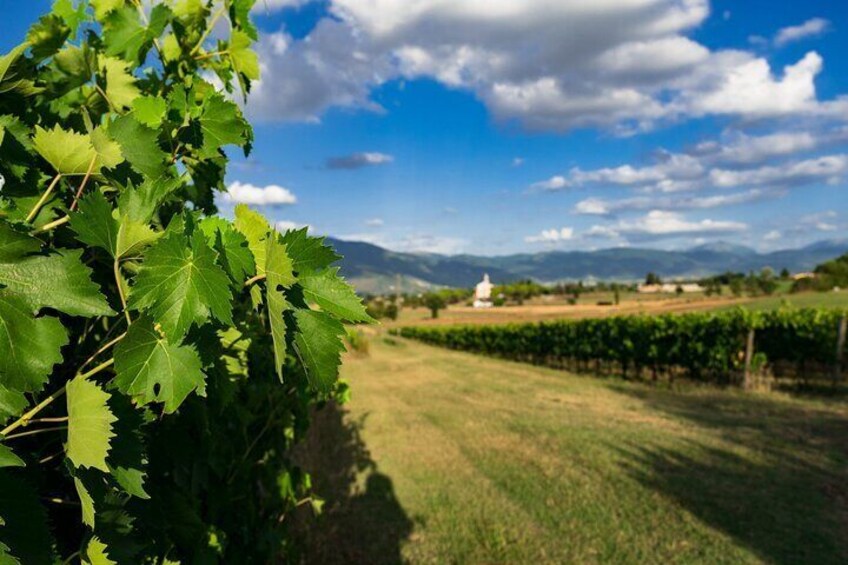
447, 457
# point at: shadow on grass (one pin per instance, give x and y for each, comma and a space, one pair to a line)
360, 522
777, 484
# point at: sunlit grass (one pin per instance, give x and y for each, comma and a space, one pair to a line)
489, 461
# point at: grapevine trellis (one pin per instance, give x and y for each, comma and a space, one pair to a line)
728, 347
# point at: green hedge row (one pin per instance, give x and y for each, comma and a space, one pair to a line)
703, 346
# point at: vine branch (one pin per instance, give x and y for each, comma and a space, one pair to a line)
84, 181
34, 212
25, 419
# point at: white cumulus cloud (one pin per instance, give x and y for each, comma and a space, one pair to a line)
604, 207
270, 195
412, 242
626, 65
283, 226
551, 236
810, 28
660, 223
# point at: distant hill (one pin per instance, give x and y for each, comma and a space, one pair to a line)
375, 270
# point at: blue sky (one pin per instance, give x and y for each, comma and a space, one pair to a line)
503, 126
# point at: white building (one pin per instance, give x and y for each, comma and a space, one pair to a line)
483, 293
669, 288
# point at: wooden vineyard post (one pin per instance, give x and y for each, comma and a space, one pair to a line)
748, 382
840, 349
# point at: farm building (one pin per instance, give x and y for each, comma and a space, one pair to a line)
669, 288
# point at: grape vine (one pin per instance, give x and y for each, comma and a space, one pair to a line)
157, 361
709, 346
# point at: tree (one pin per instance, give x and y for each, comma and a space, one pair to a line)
652, 279
179, 352
736, 286
434, 302
766, 282
785, 274
828, 275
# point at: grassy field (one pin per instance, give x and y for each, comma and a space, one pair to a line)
801, 300
445, 457
631, 303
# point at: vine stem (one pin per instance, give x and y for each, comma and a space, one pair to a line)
210, 55
102, 349
34, 212
38, 431
24, 420
255, 279
55, 224
44, 460
78, 195
106, 98
123, 298
209, 29
72, 556
49, 420
147, 23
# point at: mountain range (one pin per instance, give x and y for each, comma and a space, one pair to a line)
373, 269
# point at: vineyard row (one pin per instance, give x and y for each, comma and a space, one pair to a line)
800, 346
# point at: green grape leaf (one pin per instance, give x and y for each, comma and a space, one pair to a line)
140, 203
121, 89
308, 253
318, 344
89, 424
233, 250
240, 16
94, 223
245, 61
14, 78
29, 346
108, 151
15, 245
9, 58
327, 289
8, 458
236, 346
74, 64
60, 281
86, 503
139, 145
72, 16
12, 402
171, 49
255, 229
102, 8
127, 459
180, 284
221, 124
149, 110
69, 153
133, 236
17, 130
127, 37
47, 36
150, 369
279, 276
25, 531
96, 553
